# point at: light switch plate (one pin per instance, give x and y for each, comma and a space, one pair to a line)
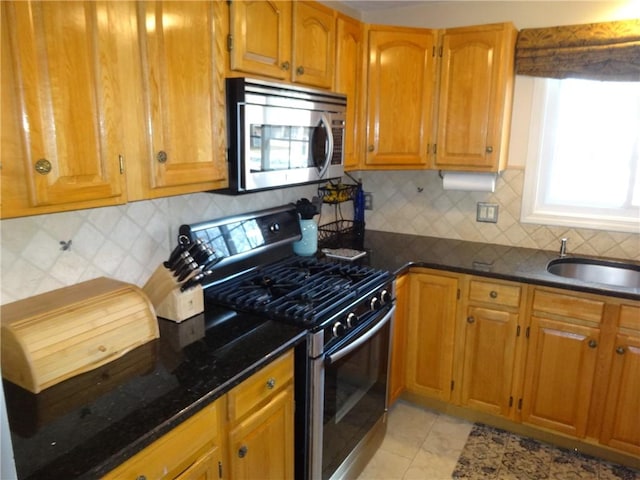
487, 212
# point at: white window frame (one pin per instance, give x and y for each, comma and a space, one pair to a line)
533, 210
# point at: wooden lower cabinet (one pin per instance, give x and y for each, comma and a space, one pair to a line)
246, 434
206, 467
621, 427
487, 338
489, 345
559, 375
399, 345
561, 363
564, 338
261, 424
192, 450
430, 334
256, 442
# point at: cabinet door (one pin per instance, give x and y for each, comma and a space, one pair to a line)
432, 312
183, 89
192, 450
398, 346
314, 37
621, 428
261, 37
64, 97
489, 350
207, 467
400, 97
261, 445
349, 80
559, 375
474, 107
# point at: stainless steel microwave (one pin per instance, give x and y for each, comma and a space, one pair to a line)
281, 135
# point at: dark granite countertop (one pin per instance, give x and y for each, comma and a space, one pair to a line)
86, 426
398, 252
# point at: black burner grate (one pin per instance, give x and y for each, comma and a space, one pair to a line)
300, 290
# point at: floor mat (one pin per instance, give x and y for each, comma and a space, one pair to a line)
491, 453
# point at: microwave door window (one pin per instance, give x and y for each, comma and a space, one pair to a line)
279, 147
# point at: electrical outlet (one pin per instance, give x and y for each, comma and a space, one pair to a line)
487, 212
368, 201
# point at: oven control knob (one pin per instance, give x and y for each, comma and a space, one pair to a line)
352, 319
375, 303
338, 329
385, 297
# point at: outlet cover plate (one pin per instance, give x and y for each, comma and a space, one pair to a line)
487, 212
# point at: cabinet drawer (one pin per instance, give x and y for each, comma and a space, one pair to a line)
568, 306
494, 293
171, 454
630, 317
260, 386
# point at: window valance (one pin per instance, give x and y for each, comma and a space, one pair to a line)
597, 51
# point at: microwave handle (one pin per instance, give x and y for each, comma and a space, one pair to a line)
327, 160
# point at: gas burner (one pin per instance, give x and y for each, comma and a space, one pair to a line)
302, 291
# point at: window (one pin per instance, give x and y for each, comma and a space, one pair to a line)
583, 165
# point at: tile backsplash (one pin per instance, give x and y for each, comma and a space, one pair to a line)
414, 202
128, 242
125, 242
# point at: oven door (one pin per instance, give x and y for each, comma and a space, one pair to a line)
285, 146
352, 393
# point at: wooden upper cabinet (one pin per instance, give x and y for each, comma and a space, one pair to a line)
261, 37
349, 79
475, 96
60, 99
284, 40
400, 97
314, 40
183, 95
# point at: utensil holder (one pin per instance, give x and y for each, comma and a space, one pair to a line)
169, 302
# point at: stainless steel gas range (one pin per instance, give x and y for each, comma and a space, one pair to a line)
348, 310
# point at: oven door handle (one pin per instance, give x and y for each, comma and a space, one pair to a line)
351, 346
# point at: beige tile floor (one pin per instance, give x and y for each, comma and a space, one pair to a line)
419, 444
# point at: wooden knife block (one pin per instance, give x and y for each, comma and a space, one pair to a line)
169, 302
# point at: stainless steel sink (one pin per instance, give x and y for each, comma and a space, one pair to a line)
597, 271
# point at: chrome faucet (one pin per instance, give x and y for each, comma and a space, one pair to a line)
563, 247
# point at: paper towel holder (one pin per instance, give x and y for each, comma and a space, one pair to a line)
468, 180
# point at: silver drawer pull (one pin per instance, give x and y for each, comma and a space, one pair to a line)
271, 383
493, 294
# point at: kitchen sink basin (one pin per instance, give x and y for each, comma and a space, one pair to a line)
596, 271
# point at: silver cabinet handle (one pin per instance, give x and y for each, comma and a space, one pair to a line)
620, 350
242, 452
489, 149
271, 383
493, 294
471, 320
300, 70
285, 66
592, 344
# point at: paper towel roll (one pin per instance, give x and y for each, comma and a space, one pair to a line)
469, 181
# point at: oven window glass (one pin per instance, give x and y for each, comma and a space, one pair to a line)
354, 399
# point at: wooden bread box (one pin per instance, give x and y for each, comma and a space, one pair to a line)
57, 335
